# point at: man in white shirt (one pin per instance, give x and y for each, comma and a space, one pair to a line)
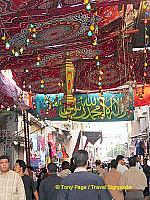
11, 184
121, 164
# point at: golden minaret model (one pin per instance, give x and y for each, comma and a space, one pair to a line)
69, 81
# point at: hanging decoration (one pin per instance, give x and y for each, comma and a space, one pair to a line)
69, 73
33, 30
140, 90
9, 45
38, 59
93, 34
88, 107
87, 4
32, 35
42, 83
14, 45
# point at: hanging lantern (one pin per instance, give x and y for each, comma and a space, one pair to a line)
100, 78
28, 40
21, 50
42, 81
145, 50
146, 36
96, 58
38, 58
7, 45
92, 27
145, 64
90, 33
16, 54
144, 6
98, 63
95, 42
101, 73
99, 84
34, 35
37, 64
42, 86
3, 37
145, 21
34, 30
86, 2
31, 26
88, 7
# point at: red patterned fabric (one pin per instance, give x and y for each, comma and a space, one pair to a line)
146, 97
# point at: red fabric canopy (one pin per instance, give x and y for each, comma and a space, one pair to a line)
61, 30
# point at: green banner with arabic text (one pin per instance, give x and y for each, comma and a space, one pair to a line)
88, 107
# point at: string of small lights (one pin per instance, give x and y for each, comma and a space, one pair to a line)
146, 9
93, 35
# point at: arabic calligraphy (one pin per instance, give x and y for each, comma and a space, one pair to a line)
89, 107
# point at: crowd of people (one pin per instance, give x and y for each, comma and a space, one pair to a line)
76, 180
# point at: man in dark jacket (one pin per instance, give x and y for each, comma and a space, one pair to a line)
146, 170
82, 185
28, 182
47, 189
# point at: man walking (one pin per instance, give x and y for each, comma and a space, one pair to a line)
121, 164
146, 170
11, 185
101, 172
65, 169
29, 184
112, 178
81, 184
48, 189
134, 178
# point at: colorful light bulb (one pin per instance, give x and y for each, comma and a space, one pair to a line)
3, 37
42, 81
16, 54
90, 33
7, 45
98, 63
38, 63
92, 27
21, 50
95, 43
86, 2
88, 7
31, 25
34, 35
42, 86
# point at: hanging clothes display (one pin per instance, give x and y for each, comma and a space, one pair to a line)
139, 147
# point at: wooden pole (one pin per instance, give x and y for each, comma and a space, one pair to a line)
28, 139
25, 136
